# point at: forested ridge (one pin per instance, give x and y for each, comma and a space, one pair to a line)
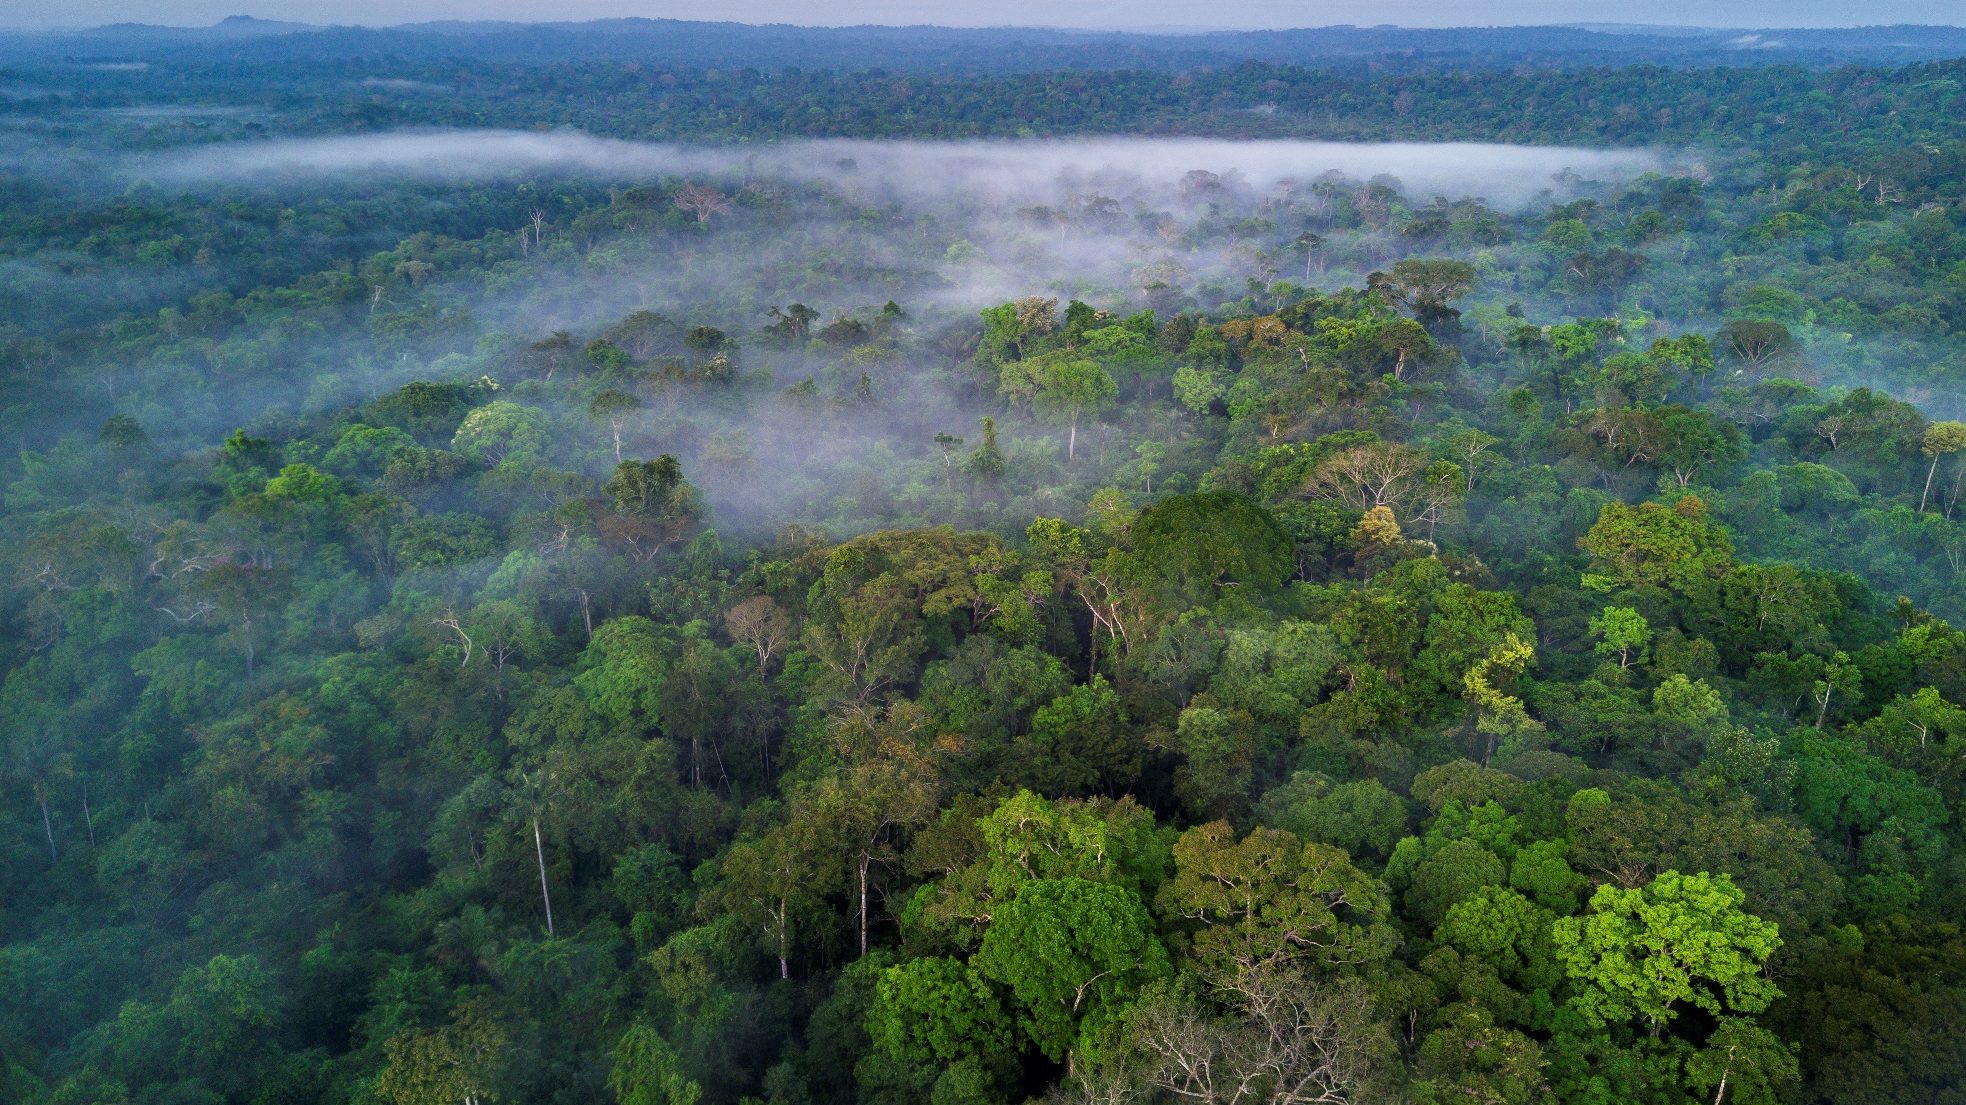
702, 637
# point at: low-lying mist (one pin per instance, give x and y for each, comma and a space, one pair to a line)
942, 229
1005, 171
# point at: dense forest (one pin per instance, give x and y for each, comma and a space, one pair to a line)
977, 50
696, 610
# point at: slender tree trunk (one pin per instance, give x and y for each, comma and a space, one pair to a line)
48, 827
1072, 441
88, 818
1929, 473
865, 859
539, 850
784, 924
1724, 1073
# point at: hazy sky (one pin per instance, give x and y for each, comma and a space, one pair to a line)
1084, 13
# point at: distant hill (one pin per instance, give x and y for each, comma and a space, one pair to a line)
229, 29
1022, 49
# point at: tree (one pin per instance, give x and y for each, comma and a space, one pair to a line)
1774, 861
1197, 389
888, 788
1757, 343
768, 881
606, 360
1690, 442
1060, 388
647, 1071
1941, 439
1499, 717
986, 860
122, 433
937, 1009
40, 752
1679, 940
453, 1065
1310, 244
221, 1013
1362, 816
1291, 1043
702, 201
1507, 932
534, 788
1622, 632
1426, 286
1268, 901
1195, 546
549, 354
1605, 274
1745, 1064
1219, 750
1653, 544
1432, 875
1073, 955
643, 333
1079, 742
987, 462
654, 506
1689, 356
1471, 1058
761, 625
1148, 458
1000, 341
791, 324
871, 612
502, 432
613, 406
1470, 447
1364, 476
948, 443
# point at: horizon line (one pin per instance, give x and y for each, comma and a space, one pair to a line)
1602, 27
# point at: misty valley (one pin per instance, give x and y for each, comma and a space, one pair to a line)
683, 564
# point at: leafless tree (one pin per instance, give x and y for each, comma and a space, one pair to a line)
761, 624
1294, 1043
702, 202
1365, 476
451, 622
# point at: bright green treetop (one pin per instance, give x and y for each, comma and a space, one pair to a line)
1682, 939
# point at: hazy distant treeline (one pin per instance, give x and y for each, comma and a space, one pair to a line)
926, 49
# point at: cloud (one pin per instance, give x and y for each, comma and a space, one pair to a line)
402, 84
178, 111
1003, 171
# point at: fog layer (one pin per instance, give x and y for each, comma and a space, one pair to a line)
1012, 171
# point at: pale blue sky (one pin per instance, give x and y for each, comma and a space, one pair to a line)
1081, 13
